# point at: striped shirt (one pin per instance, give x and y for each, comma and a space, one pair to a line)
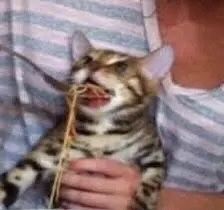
190, 122
191, 125
40, 30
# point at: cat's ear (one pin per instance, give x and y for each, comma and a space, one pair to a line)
158, 63
80, 45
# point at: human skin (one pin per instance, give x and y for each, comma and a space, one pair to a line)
112, 189
195, 30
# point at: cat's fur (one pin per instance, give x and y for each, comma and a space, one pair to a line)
120, 130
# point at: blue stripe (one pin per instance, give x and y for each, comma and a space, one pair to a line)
112, 37
35, 131
191, 127
188, 184
32, 129
9, 93
41, 46
9, 100
218, 94
111, 11
8, 81
5, 16
6, 39
206, 112
9, 118
175, 163
58, 73
6, 65
5, 61
43, 114
49, 97
13, 144
6, 156
43, 117
178, 142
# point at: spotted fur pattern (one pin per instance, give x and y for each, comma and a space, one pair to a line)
120, 130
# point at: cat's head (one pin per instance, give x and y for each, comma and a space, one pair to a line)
128, 80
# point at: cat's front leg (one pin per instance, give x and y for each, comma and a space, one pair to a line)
147, 194
17, 180
42, 160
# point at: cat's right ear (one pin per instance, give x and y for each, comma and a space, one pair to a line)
158, 63
80, 45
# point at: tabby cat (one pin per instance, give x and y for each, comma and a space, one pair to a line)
118, 128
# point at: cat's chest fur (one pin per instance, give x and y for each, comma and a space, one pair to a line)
99, 126
107, 145
105, 139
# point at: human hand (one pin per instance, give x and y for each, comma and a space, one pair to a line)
102, 184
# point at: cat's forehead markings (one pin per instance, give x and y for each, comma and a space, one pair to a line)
115, 58
96, 54
107, 57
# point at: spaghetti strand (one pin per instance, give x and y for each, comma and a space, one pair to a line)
71, 98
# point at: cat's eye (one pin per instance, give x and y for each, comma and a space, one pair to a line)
87, 59
121, 67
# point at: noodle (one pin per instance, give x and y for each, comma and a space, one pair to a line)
72, 95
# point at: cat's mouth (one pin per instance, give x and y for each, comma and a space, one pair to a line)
96, 99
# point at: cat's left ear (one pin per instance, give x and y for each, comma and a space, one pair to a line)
158, 63
80, 45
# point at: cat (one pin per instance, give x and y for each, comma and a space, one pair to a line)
118, 128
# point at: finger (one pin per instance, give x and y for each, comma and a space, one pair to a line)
98, 184
95, 200
72, 206
104, 166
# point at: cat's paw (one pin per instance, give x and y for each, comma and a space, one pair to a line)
8, 194
3, 196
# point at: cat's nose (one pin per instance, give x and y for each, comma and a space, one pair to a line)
91, 81
95, 66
